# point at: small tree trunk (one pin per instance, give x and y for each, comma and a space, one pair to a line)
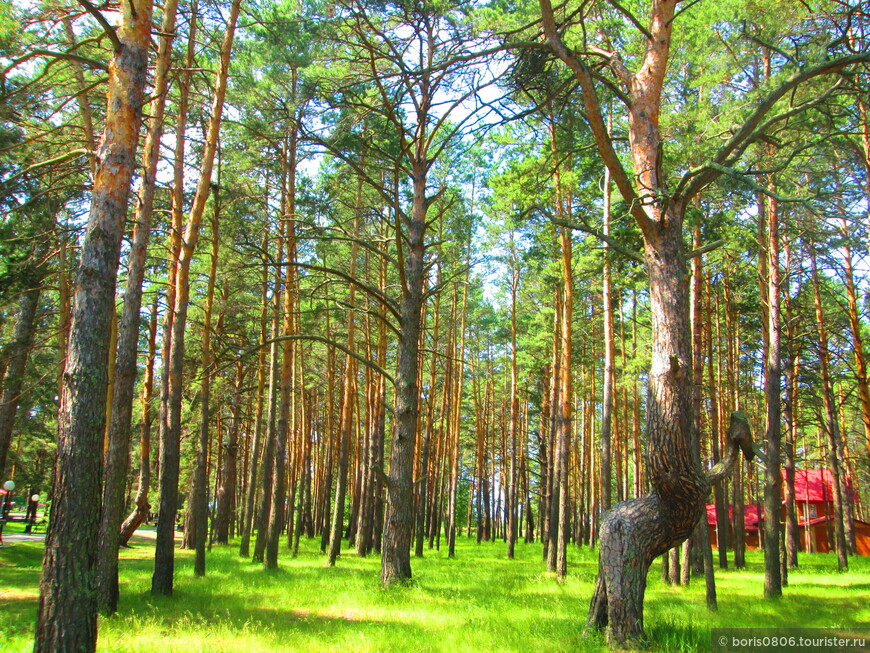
226, 494
455, 416
288, 362
198, 504
609, 355
164, 558
790, 416
141, 507
832, 427
18, 352
255, 447
267, 472
514, 403
773, 387
349, 397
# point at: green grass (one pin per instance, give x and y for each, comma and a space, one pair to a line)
478, 601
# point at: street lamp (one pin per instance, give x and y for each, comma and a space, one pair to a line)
9, 486
32, 508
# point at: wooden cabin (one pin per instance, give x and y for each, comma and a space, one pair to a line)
814, 500
750, 524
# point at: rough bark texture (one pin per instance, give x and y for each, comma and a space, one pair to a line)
635, 532
67, 617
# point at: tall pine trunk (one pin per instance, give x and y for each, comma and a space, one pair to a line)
67, 614
398, 520
832, 425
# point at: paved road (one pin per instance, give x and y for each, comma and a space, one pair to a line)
147, 534
12, 538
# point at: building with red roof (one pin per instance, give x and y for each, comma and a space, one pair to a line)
750, 524
814, 500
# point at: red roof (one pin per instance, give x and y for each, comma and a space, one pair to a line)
750, 515
816, 485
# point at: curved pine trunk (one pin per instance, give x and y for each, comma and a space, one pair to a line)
635, 532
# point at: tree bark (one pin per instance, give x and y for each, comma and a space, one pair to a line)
199, 492
288, 358
349, 396
256, 446
423, 481
18, 353
514, 402
565, 404
609, 355
398, 521
455, 414
67, 615
226, 493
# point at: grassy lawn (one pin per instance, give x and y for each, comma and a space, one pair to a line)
477, 602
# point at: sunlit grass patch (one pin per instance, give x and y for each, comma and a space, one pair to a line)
478, 601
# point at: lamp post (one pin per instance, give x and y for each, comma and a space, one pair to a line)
9, 486
32, 508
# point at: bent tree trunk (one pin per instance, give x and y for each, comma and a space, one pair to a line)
141, 507
635, 532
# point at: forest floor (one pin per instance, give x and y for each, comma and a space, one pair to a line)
479, 601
